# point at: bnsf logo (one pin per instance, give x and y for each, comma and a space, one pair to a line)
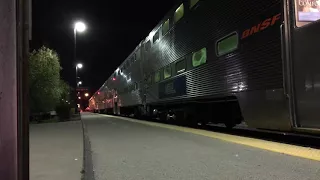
261, 26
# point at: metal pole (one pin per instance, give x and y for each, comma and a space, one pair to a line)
75, 61
23, 99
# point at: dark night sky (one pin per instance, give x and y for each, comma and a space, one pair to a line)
114, 30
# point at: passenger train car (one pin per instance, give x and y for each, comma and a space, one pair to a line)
224, 62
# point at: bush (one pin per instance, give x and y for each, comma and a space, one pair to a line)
63, 111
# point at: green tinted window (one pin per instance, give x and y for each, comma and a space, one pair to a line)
179, 13
157, 76
193, 2
227, 44
199, 57
165, 27
167, 72
180, 66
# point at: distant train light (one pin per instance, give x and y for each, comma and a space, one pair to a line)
98, 93
113, 79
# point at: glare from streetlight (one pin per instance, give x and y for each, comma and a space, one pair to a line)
80, 27
80, 82
79, 65
86, 94
79, 97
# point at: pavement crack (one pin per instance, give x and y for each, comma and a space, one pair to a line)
87, 172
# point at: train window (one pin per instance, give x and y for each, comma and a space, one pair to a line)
165, 27
179, 13
148, 46
181, 66
307, 11
199, 57
227, 44
156, 37
193, 3
121, 70
157, 76
167, 72
119, 73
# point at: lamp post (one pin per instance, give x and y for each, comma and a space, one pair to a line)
78, 66
78, 27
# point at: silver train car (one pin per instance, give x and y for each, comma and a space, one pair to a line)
224, 62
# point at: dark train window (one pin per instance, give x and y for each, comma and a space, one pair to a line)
193, 3
165, 27
121, 70
156, 37
181, 66
114, 75
148, 46
199, 57
167, 72
157, 76
179, 13
227, 44
119, 73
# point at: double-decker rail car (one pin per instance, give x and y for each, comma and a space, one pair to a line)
225, 62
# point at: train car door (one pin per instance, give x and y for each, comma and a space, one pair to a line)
302, 27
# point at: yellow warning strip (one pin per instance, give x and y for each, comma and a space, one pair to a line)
298, 151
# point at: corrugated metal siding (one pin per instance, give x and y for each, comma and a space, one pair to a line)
255, 65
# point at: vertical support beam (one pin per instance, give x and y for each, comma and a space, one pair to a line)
23, 37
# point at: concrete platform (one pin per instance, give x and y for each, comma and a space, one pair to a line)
56, 151
125, 149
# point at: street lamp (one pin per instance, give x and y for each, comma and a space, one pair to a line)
86, 94
78, 66
78, 27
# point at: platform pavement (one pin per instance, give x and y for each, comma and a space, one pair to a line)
56, 151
